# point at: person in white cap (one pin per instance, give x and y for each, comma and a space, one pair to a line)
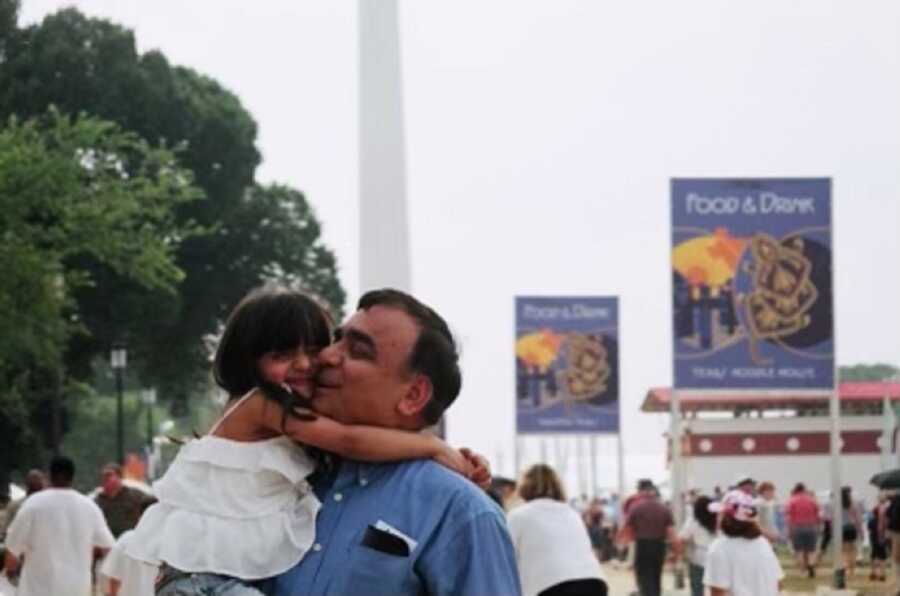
740, 562
746, 484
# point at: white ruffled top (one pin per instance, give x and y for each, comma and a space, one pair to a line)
234, 508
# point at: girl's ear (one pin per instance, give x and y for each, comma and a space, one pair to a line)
416, 398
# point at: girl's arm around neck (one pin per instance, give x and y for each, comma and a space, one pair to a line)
364, 443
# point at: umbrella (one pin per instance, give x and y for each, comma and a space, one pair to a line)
889, 479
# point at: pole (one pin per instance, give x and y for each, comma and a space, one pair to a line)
120, 422
836, 509
620, 456
517, 457
150, 427
887, 431
675, 475
593, 474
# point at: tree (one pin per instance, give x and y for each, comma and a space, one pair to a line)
73, 191
868, 372
255, 233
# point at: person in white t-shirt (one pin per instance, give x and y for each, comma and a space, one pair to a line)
741, 562
58, 530
697, 533
553, 548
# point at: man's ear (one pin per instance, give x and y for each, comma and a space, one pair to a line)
416, 398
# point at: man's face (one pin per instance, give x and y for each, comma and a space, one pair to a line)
110, 481
364, 374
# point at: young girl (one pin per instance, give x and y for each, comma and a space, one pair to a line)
235, 506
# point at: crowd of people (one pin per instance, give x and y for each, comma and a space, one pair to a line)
55, 537
317, 478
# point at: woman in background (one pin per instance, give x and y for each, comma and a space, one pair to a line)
851, 530
879, 538
553, 549
696, 535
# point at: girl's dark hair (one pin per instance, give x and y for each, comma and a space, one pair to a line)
703, 515
798, 488
846, 501
268, 319
739, 529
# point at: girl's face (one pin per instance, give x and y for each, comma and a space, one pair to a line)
295, 368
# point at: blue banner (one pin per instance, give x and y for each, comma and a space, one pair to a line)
752, 284
567, 365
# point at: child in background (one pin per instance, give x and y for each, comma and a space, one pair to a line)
741, 562
235, 506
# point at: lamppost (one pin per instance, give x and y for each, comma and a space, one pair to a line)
148, 396
118, 360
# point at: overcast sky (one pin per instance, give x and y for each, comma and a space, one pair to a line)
541, 139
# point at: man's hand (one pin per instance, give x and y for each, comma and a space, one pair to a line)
481, 474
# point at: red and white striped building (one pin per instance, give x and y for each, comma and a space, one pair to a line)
784, 438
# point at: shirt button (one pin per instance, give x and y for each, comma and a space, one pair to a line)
317, 547
363, 482
338, 497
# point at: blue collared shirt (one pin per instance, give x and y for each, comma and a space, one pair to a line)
458, 536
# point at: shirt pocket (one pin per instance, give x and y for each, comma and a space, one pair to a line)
374, 573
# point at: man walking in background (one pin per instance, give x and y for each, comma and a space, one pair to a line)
35, 481
650, 526
57, 530
121, 505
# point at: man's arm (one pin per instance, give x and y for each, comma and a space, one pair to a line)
17, 541
674, 541
476, 557
626, 533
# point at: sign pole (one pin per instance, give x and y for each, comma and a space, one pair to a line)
836, 509
620, 456
675, 475
593, 474
517, 457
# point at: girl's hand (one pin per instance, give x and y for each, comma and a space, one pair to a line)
451, 458
481, 474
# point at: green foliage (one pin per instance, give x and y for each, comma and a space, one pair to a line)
92, 440
255, 233
868, 372
73, 192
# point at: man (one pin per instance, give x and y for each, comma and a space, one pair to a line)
411, 527
803, 520
503, 492
121, 505
35, 481
650, 525
58, 530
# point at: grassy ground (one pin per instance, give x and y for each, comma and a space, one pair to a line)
797, 580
